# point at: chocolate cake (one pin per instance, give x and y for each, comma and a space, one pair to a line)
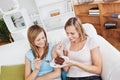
59, 60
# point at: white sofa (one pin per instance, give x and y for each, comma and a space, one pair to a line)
14, 53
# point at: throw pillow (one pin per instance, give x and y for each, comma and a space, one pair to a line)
13, 72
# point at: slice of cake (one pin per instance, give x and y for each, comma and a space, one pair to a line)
59, 60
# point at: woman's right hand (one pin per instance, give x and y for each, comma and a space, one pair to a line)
37, 63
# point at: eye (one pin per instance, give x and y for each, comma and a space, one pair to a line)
38, 39
72, 33
67, 33
43, 37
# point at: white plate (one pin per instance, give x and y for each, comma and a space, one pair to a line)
53, 64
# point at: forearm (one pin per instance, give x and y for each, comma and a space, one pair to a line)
33, 75
89, 68
49, 76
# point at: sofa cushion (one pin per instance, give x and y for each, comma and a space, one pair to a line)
13, 72
0, 70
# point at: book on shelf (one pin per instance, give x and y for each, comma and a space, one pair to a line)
94, 13
94, 9
115, 15
110, 25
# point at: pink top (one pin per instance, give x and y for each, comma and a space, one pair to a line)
82, 56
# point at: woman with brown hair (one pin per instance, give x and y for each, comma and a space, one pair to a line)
37, 59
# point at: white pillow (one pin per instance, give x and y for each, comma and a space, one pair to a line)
89, 29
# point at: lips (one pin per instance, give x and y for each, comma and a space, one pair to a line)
71, 39
42, 44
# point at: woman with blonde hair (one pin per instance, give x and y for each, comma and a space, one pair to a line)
83, 51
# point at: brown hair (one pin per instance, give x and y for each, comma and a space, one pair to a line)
74, 21
33, 32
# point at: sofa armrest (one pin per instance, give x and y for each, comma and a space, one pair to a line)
110, 59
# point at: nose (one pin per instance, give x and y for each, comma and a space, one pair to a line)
42, 41
69, 36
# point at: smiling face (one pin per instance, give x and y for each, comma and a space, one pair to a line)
72, 33
40, 40
74, 29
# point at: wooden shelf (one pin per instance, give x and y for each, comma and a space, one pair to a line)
113, 30
105, 9
108, 14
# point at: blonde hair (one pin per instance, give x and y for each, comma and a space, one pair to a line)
32, 33
74, 21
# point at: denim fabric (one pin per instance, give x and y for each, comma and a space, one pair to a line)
63, 75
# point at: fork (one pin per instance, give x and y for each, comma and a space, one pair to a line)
48, 61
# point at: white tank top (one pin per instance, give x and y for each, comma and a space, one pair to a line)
82, 56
